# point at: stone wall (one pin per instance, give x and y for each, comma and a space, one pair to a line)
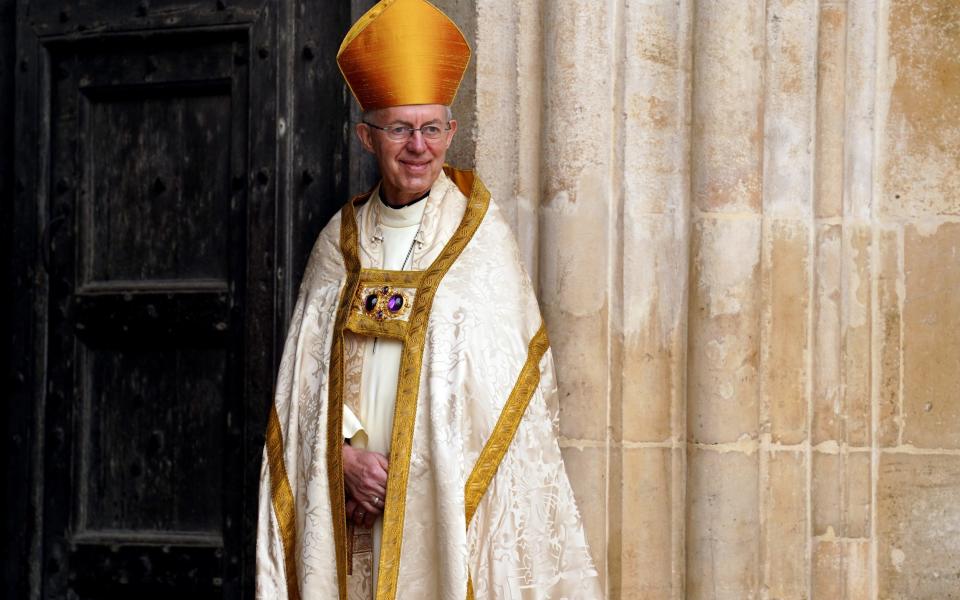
744, 222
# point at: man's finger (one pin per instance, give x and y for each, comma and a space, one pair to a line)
360, 514
378, 490
376, 500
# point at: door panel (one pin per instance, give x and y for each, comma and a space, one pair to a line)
175, 161
136, 401
159, 216
147, 336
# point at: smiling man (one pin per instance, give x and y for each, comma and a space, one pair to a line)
411, 450
409, 163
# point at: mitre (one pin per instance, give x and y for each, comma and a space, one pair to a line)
403, 52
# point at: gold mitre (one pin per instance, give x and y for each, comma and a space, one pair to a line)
403, 52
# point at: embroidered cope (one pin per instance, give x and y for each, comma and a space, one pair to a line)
460, 392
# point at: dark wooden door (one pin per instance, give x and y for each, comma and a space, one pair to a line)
174, 161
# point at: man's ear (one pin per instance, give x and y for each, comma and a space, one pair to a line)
453, 131
366, 137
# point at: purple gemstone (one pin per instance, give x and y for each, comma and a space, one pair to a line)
386, 290
371, 302
379, 314
395, 303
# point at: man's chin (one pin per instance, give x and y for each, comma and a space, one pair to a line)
417, 182
417, 174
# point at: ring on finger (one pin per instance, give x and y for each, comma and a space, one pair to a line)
376, 500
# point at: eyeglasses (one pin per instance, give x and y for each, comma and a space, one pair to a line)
399, 133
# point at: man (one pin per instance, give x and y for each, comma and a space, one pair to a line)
411, 450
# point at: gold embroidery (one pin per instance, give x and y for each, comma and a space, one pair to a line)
404, 279
409, 383
465, 180
348, 247
502, 435
380, 321
373, 328
503, 432
282, 501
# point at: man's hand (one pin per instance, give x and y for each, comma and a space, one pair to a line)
365, 476
356, 514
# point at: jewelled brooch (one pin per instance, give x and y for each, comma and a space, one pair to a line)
386, 302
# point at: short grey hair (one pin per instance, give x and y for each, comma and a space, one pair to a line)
370, 115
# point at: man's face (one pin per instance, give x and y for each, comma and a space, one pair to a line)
408, 167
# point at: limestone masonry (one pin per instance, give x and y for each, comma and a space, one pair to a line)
743, 218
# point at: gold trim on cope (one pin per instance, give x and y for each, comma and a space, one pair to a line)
403, 279
501, 436
351, 261
390, 325
364, 325
504, 431
282, 498
409, 383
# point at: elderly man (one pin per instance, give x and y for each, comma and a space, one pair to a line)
411, 449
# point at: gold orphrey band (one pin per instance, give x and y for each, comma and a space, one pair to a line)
282, 501
504, 431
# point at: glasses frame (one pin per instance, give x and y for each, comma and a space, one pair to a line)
409, 131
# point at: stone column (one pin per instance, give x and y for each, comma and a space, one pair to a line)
744, 222
841, 437
916, 316
577, 234
509, 103
651, 145
786, 289
723, 394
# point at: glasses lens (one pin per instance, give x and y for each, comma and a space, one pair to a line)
431, 132
398, 133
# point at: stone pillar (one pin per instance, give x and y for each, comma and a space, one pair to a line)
786, 290
576, 217
916, 317
510, 101
744, 223
650, 141
723, 393
841, 439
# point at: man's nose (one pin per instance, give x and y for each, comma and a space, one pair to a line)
416, 143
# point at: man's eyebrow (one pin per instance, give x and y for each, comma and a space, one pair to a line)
399, 122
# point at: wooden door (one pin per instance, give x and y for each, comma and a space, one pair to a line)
175, 161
